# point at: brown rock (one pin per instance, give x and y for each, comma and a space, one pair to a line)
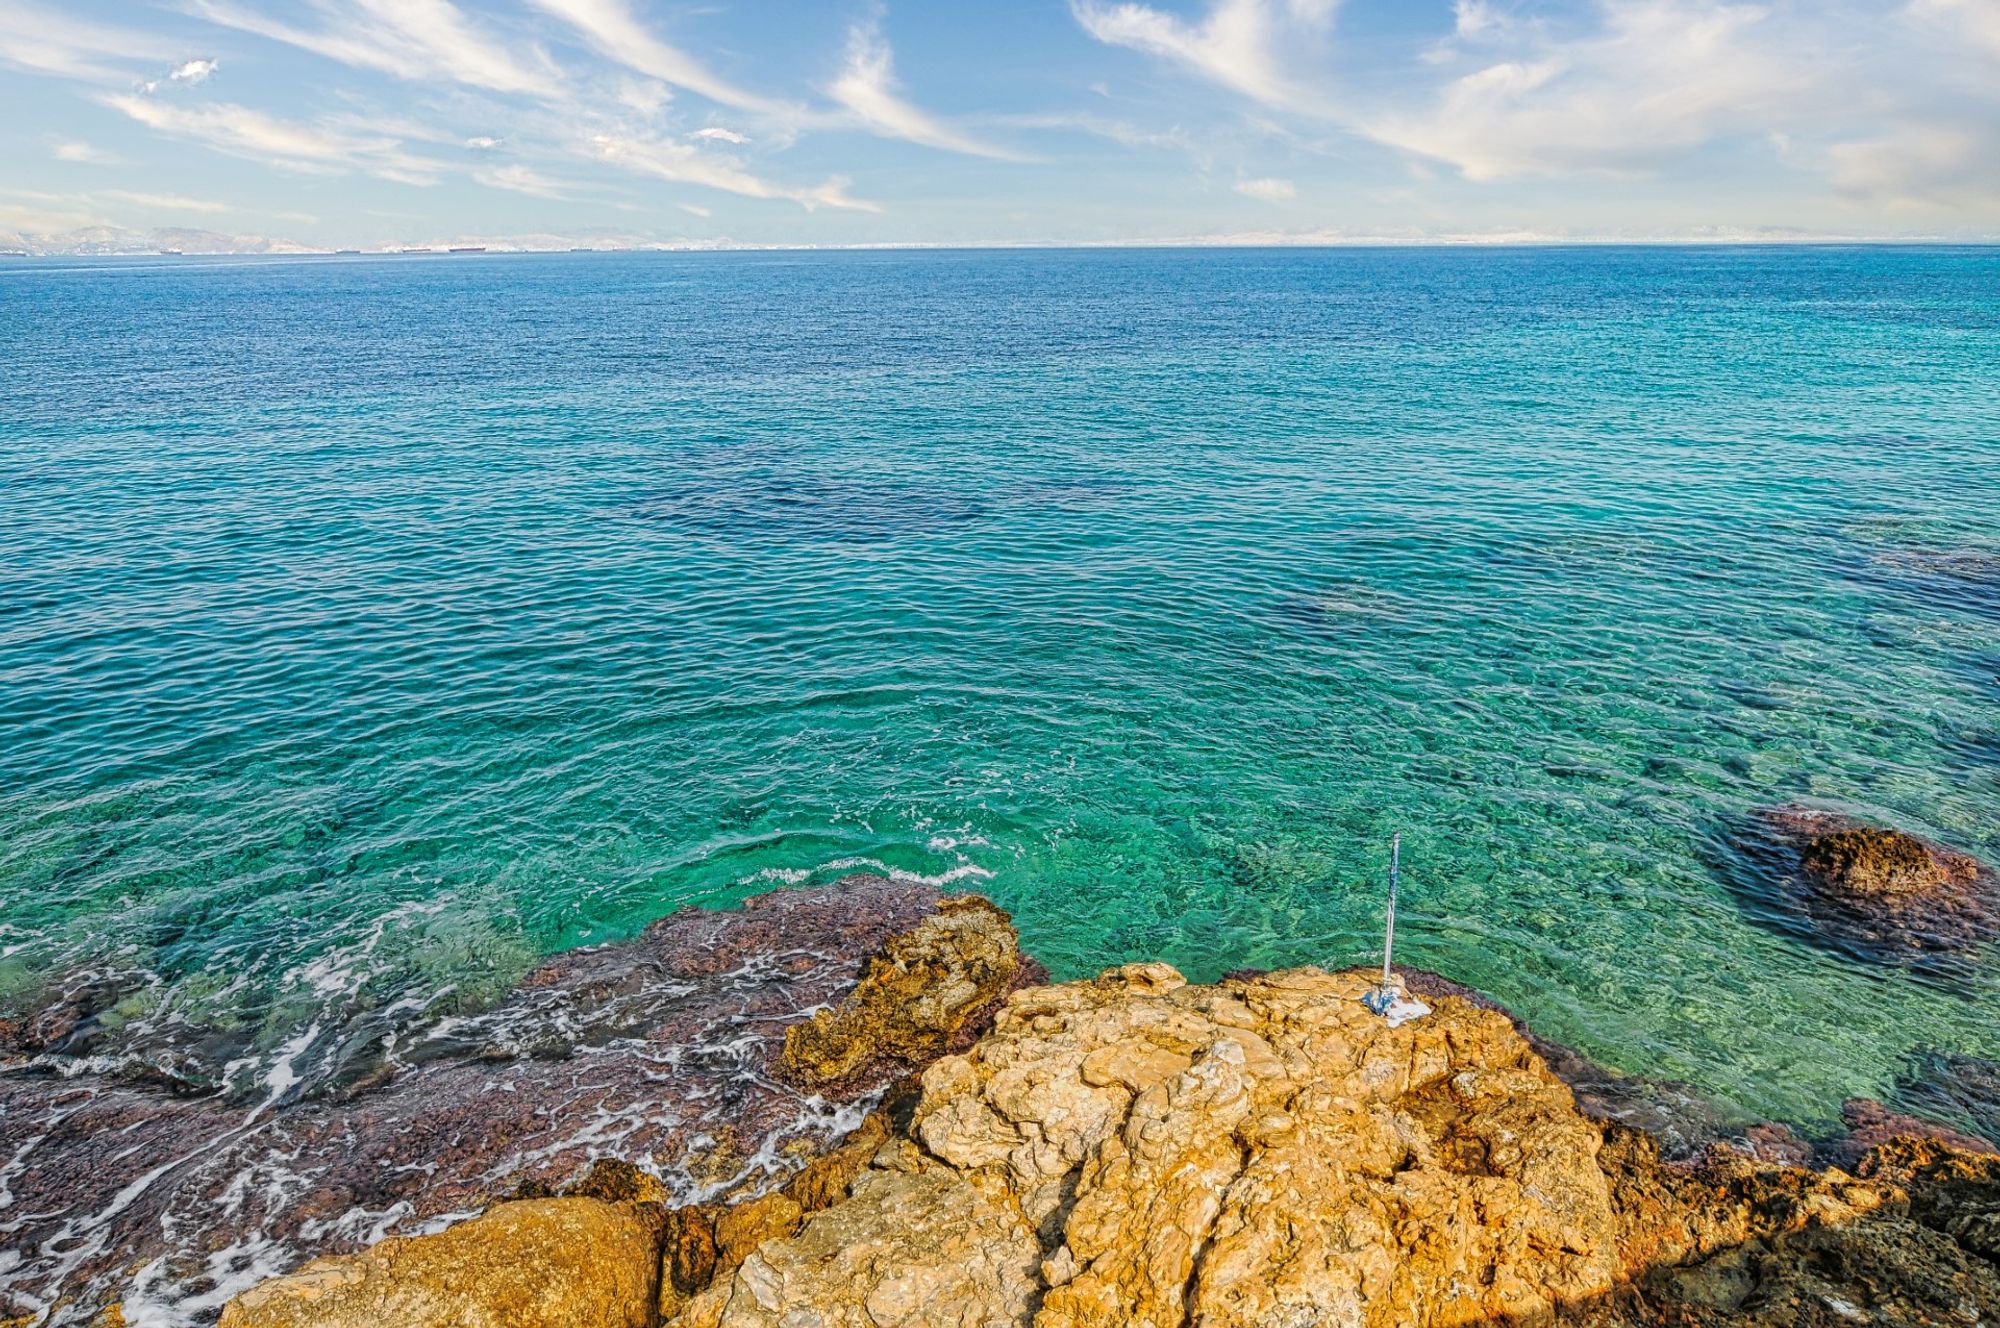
1878, 894
545, 1263
614, 1180
1873, 863
916, 996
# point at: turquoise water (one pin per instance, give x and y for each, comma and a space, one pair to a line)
369, 628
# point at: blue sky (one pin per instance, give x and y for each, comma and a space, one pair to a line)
330, 123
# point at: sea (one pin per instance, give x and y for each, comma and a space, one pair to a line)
373, 627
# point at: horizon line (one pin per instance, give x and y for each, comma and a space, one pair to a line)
473, 248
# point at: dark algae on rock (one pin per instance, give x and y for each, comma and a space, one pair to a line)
661, 1051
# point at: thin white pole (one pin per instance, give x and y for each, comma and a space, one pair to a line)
1395, 870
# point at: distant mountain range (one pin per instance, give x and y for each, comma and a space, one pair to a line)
120, 240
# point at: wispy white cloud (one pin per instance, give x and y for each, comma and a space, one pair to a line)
187, 74
867, 88
610, 27
37, 213
682, 164
1268, 190
1237, 45
1977, 21
716, 134
1122, 132
519, 179
77, 150
414, 39
1658, 80
47, 41
166, 202
1919, 167
694, 209
244, 132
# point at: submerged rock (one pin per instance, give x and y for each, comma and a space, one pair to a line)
1870, 1124
1684, 1122
1878, 894
661, 1052
1951, 1087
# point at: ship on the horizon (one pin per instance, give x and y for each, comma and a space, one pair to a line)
346, 253
467, 249
417, 249
174, 253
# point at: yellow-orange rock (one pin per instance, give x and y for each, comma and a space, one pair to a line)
914, 1245
540, 1263
1135, 1151
915, 996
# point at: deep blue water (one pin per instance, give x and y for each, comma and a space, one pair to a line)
371, 627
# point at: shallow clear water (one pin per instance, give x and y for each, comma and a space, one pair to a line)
369, 628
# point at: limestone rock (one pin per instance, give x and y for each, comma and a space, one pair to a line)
914, 1245
1137, 1151
924, 989
543, 1263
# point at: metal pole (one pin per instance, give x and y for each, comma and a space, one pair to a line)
1395, 870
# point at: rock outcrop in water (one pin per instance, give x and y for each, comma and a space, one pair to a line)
1128, 1150
662, 1051
1877, 894
919, 995
1136, 1150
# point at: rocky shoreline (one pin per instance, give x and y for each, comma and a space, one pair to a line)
863, 1105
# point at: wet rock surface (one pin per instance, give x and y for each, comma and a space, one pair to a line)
662, 1051
1876, 894
930, 990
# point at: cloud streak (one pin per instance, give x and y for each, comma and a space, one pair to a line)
243, 132
1236, 45
610, 28
412, 39
680, 163
867, 88
45, 41
1662, 78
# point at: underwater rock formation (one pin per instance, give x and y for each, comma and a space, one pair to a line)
1878, 894
1950, 1087
662, 1051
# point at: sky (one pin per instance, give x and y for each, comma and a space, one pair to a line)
281, 124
